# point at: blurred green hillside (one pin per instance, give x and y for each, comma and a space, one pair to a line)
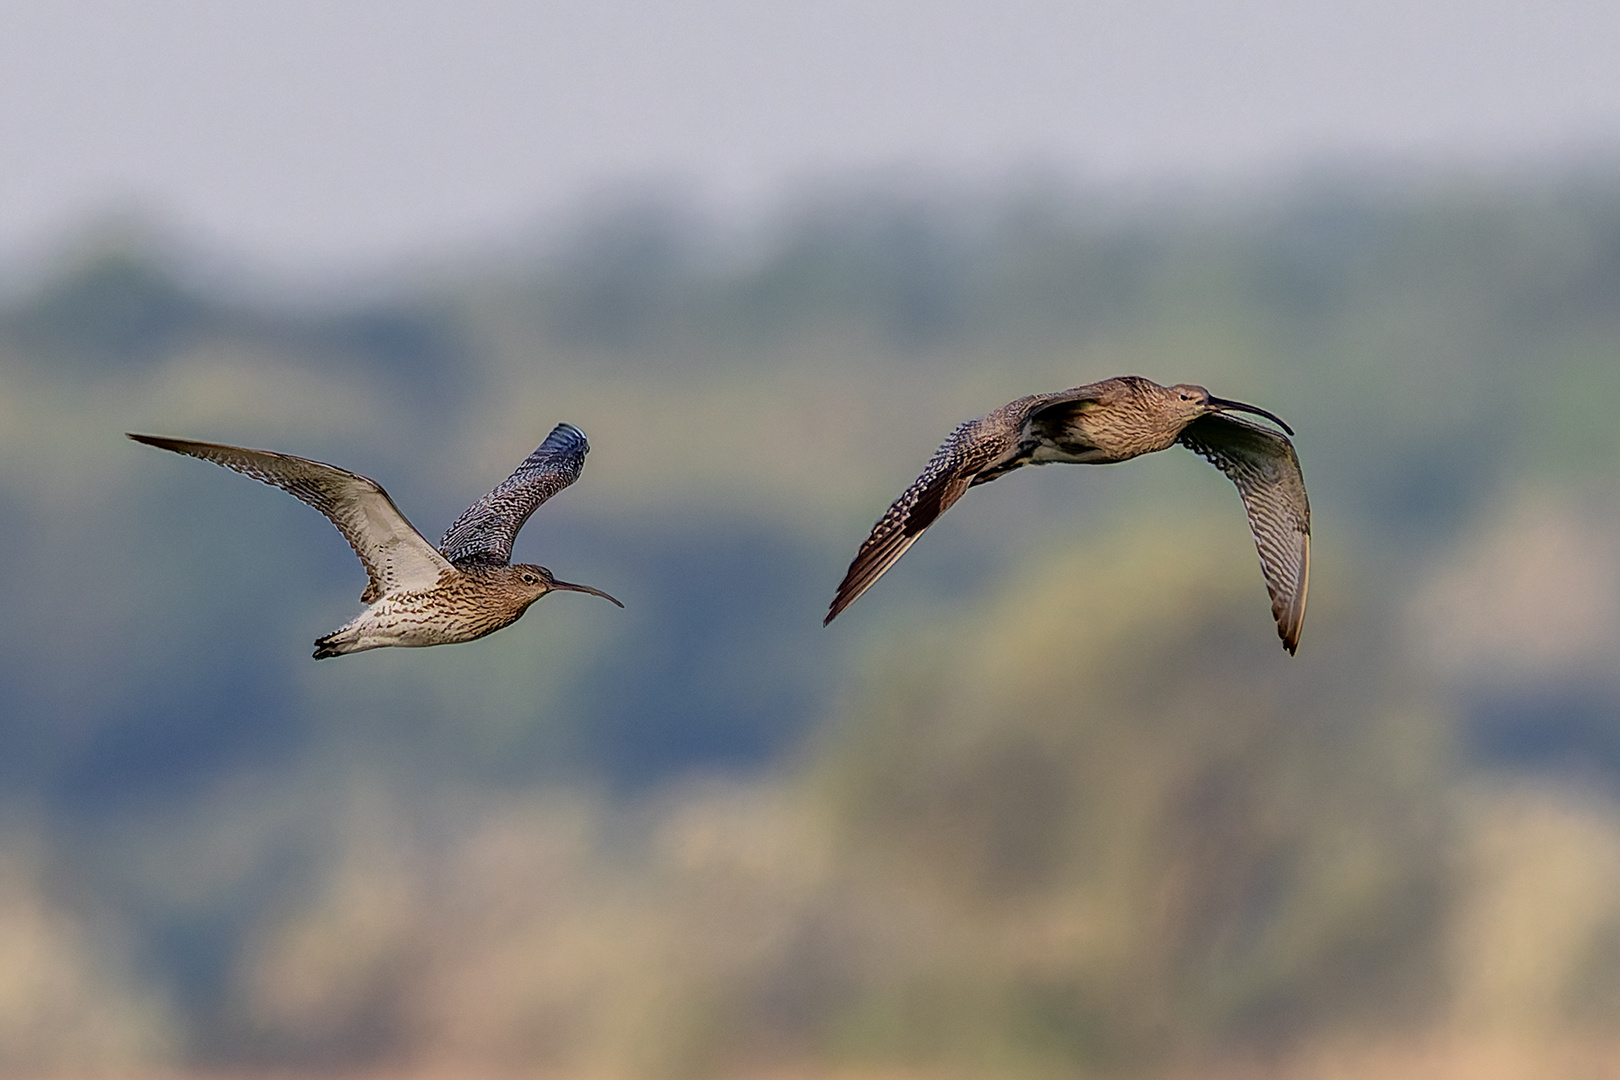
1049, 801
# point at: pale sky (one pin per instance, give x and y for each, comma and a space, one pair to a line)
323, 134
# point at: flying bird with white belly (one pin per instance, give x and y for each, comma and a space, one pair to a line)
419, 595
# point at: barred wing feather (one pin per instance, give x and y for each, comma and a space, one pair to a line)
949, 473
1265, 468
394, 554
486, 532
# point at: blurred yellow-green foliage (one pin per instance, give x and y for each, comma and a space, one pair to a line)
1049, 801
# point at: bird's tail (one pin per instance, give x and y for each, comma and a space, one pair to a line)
337, 643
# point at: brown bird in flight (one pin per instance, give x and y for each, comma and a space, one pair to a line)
1098, 424
419, 595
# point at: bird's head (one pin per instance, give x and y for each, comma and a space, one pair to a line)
533, 582
1194, 401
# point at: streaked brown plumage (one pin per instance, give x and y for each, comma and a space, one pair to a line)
1099, 424
419, 595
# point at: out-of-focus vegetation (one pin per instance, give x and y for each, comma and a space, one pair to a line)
1049, 801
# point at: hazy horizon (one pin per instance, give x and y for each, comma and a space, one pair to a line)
307, 138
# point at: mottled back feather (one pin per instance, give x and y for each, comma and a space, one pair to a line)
394, 554
485, 533
1265, 468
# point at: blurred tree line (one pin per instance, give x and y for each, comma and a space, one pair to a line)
1049, 800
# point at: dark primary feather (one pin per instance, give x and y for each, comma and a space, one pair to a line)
954, 468
977, 452
394, 554
485, 533
1265, 468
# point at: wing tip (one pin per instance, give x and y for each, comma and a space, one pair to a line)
863, 572
566, 436
1291, 620
844, 597
1289, 629
870, 563
188, 447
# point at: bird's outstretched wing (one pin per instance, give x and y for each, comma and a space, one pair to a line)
484, 534
978, 450
394, 554
1263, 465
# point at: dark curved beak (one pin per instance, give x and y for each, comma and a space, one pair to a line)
1216, 403
569, 586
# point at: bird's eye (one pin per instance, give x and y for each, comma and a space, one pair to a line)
530, 578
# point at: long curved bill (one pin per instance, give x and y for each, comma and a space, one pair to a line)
1238, 406
571, 587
